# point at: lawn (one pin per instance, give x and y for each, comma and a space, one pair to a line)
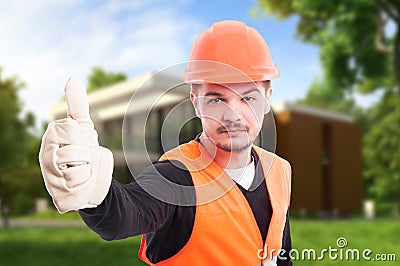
64, 247
381, 237
79, 246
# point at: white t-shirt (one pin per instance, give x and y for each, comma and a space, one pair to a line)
243, 176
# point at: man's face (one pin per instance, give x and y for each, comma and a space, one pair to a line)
231, 114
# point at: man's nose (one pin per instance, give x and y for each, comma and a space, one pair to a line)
231, 112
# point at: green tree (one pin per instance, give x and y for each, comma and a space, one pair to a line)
357, 55
20, 174
322, 95
355, 52
99, 78
381, 151
11, 130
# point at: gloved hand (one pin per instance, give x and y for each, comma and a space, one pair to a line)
77, 171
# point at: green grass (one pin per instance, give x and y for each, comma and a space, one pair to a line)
79, 246
52, 215
64, 247
380, 236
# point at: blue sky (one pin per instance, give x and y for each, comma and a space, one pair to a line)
48, 41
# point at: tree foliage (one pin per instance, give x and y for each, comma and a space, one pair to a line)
382, 150
20, 173
11, 130
357, 54
99, 78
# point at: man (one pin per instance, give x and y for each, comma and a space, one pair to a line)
219, 199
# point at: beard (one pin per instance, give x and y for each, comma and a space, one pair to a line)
232, 146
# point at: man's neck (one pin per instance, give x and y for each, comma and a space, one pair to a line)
226, 159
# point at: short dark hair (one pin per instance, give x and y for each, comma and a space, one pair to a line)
266, 83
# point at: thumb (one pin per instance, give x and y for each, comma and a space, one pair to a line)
77, 102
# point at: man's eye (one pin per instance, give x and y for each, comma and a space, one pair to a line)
248, 98
214, 100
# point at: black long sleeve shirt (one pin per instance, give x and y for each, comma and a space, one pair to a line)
128, 210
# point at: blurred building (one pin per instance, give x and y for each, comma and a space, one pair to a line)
324, 148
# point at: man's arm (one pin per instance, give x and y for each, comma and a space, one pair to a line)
284, 259
77, 173
129, 210
126, 211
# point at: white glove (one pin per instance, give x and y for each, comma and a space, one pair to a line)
77, 171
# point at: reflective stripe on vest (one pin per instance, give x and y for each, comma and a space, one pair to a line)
225, 231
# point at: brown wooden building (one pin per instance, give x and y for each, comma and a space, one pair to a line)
324, 149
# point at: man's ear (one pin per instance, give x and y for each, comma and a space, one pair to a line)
193, 99
268, 96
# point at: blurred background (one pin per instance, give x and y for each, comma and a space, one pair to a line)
336, 107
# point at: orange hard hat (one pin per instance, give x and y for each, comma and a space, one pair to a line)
230, 52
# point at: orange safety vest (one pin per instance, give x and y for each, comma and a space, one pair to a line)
225, 231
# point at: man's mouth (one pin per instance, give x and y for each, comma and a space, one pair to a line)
224, 130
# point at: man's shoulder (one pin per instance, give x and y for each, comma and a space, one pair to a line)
169, 165
284, 161
171, 170
272, 156
184, 149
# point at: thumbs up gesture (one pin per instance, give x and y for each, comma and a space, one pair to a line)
77, 171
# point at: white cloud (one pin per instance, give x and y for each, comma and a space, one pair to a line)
45, 42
